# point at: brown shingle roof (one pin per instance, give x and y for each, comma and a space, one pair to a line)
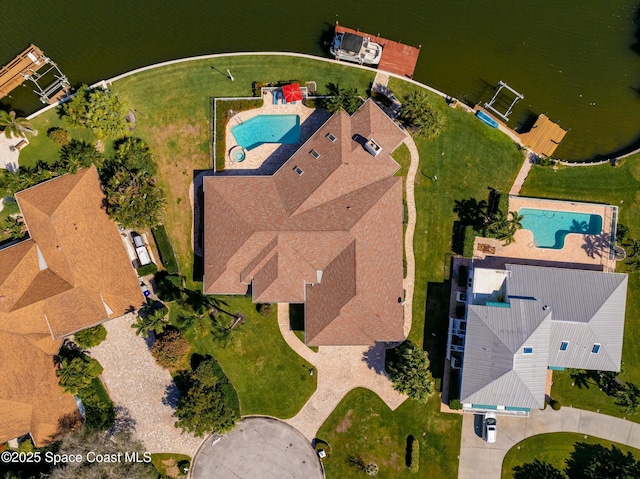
52, 285
330, 237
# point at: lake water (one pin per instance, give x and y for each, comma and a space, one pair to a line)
575, 61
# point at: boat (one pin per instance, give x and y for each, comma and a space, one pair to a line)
485, 118
355, 48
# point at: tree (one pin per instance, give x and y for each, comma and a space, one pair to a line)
502, 228
107, 445
90, 337
171, 349
99, 110
210, 402
77, 372
537, 469
409, 372
14, 227
79, 154
420, 115
13, 126
151, 319
628, 397
594, 461
342, 99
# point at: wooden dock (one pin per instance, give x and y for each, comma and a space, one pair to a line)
26, 67
396, 57
544, 137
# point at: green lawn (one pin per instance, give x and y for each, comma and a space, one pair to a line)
552, 448
270, 377
614, 186
168, 463
362, 426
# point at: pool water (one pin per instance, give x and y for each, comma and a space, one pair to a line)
550, 227
267, 129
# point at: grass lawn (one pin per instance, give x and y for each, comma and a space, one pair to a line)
167, 464
362, 426
552, 448
614, 186
270, 377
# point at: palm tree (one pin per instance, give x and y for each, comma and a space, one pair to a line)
14, 126
151, 320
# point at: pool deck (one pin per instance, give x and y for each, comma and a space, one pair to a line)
268, 157
578, 248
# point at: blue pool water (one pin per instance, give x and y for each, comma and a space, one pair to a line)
267, 129
550, 227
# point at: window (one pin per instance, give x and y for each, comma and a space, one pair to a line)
595, 349
564, 345
527, 351
298, 170
315, 154
331, 137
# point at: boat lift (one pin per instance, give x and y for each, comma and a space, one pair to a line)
32, 65
505, 115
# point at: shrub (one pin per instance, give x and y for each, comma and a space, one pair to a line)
167, 256
264, 309
90, 337
546, 161
59, 136
421, 115
414, 467
147, 269
470, 234
455, 404
183, 466
170, 349
99, 411
168, 286
555, 405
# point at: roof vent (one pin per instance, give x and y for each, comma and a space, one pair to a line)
545, 307
372, 147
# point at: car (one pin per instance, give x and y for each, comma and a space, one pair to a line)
490, 427
145, 290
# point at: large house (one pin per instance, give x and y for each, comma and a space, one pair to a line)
325, 230
523, 319
73, 273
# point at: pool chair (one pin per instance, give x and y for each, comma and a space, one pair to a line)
275, 97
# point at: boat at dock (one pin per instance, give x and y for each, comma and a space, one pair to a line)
356, 48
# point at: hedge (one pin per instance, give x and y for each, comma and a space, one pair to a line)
90, 337
147, 269
167, 256
470, 234
99, 411
415, 456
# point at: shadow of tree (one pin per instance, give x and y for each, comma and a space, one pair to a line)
375, 356
171, 395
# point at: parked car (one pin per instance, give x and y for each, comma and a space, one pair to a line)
145, 290
490, 427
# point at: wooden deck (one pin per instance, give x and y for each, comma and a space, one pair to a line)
544, 137
30, 60
396, 57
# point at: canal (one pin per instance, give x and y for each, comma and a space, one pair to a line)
576, 61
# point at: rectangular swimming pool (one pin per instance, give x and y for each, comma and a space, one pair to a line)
550, 227
267, 129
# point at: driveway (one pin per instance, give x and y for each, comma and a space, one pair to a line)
258, 447
481, 460
145, 390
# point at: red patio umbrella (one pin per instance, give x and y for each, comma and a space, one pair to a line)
292, 92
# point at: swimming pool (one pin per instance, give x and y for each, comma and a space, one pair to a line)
550, 227
267, 129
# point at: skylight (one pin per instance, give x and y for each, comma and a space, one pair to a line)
315, 154
595, 349
331, 137
527, 351
298, 170
564, 345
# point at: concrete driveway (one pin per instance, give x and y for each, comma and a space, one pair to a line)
259, 447
481, 460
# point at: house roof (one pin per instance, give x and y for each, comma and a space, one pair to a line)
71, 274
330, 237
546, 307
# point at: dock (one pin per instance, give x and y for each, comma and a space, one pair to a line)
544, 137
29, 66
396, 57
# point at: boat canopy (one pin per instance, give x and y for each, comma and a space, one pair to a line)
351, 42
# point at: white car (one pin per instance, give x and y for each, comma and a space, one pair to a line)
490, 427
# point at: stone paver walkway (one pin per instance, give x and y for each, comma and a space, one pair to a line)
340, 369
481, 460
409, 280
135, 381
523, 173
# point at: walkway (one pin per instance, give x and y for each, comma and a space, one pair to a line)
340, 369
409, 280
529, 159
481, 460
135, 382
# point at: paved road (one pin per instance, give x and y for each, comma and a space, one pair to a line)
481, 460
259, 447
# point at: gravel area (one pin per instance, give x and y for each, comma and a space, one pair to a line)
136, 383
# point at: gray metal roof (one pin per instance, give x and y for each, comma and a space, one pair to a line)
548, 306
496, 370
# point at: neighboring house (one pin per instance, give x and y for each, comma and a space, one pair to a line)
524, 319
73, 273
325, 230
